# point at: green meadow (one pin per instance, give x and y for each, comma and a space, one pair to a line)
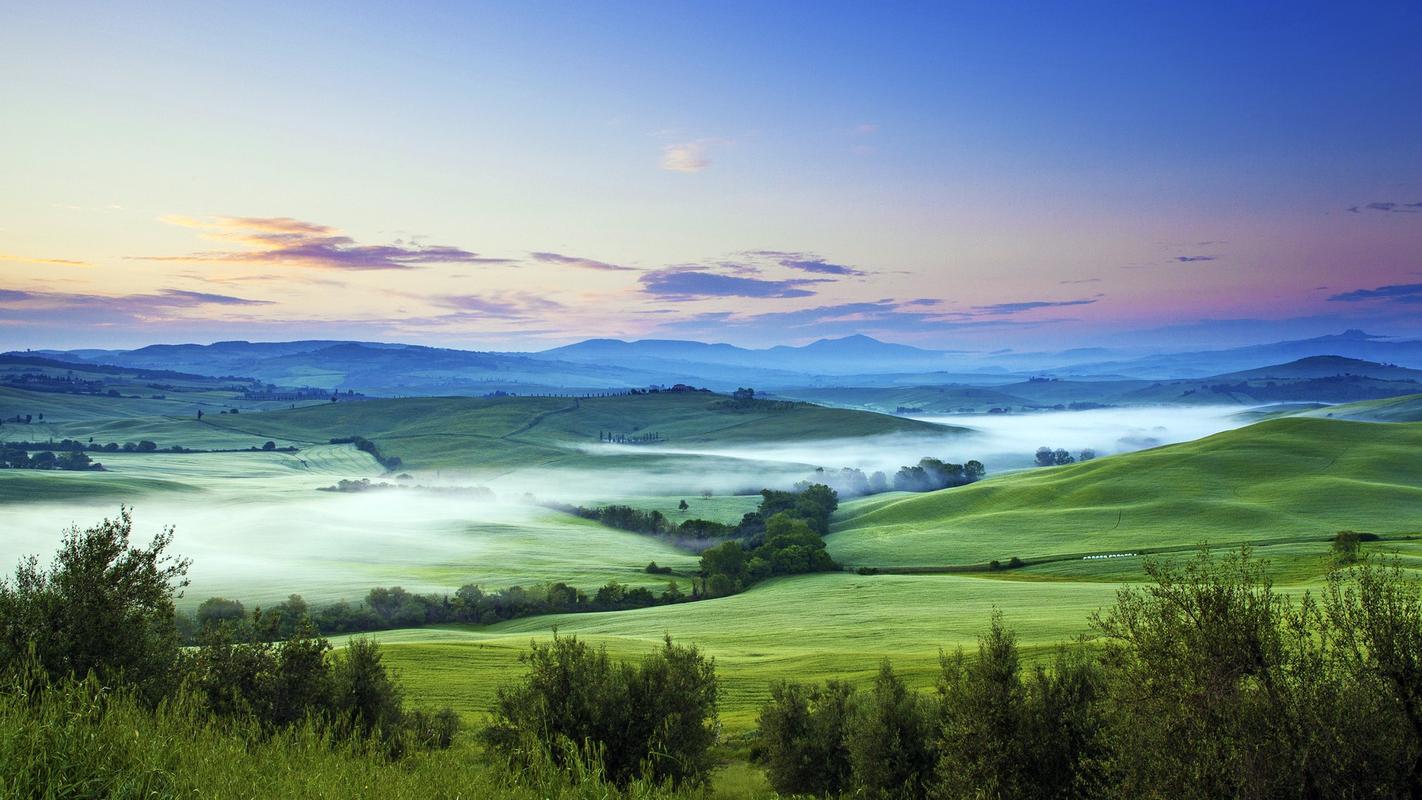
1296, 478
258, 529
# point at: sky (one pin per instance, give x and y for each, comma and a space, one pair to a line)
517, 176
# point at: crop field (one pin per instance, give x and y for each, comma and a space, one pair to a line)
803, 628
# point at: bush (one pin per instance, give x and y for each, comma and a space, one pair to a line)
804, 738
104, 606
890, 741
655, 720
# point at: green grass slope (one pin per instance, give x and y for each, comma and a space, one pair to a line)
803, 628
1287, 478
530, 431
1407, 408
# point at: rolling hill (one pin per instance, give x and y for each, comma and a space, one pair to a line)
1316, 379
1288, 478
494, 433
1407, 408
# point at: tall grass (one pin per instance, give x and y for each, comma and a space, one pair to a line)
79, 739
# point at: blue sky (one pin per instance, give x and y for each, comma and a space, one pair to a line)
523, 175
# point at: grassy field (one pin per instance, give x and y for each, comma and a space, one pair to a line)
487, 435
1407, 408
1287, 478
802, 628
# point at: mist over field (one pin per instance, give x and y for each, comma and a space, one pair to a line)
1000, 441
263, 537
328, 547
1008, 441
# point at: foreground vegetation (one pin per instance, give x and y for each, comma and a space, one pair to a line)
1206, 682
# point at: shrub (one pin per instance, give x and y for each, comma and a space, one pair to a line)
655, 720
804, 738
104, 606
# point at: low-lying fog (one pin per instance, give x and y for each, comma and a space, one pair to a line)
263, 537
1001, 441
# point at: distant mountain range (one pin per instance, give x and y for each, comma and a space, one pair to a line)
380, 368
1349, 344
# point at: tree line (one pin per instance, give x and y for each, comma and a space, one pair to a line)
1047, 457
1205, 683
388, 608
391, 463
97, 626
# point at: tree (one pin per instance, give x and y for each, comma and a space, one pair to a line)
890, 742
727, 558
656, 719
104, 607
1346, 547
804, 738
217, 610
1086, 455
982, 748
682, 506
269, 446
1061, 456
1045, 457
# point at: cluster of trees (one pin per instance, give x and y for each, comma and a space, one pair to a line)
359, 485
1047, 457
391, 463
782, 537
655, 720
18, 458
744, 399
628, 438
1205, 684
386, 608
104, 611
97, 628
75, 446
928, 475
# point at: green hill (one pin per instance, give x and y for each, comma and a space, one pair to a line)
1281, 479
1391, 409
504, 432
496, 433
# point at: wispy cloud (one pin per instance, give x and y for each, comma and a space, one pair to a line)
283, 240
693, 283
995, 309
690, 156
506, 305
1388, 208
63, 262
1397, 293
806, 262
167, 298
98, 310
577, 261
1081, 280
875, 317
1192, 259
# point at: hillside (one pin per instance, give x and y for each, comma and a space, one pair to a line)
528, 431
1391, 409
497, 433
1350, 344
1292, 477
